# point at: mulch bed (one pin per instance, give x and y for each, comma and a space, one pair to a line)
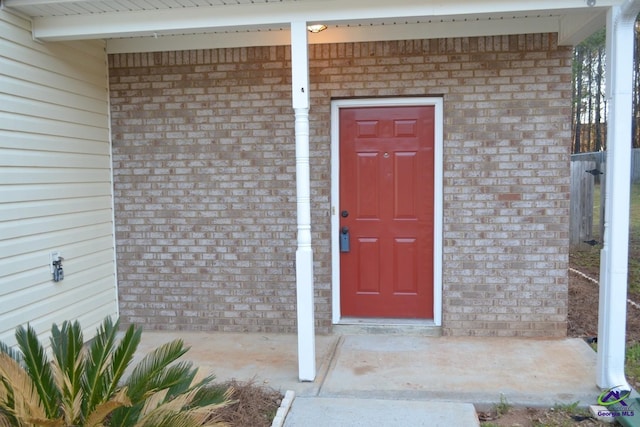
251, 404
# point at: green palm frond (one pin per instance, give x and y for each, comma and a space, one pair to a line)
207, 393
195, 400
67, 345
38, 367
97, 376
68, 367
125, 416
151, 368
184, 385
186, 402
211, 395
123, 355
150, 376
198, 405
93, 381
177, 375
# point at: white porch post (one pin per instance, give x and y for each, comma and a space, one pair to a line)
615, 252
304, 253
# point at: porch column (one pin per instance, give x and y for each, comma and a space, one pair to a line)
304, 253
615, 252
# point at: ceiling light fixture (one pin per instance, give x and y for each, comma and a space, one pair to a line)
316, 28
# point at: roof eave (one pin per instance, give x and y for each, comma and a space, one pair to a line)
221, 25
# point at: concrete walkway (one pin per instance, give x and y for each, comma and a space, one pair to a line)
387, 377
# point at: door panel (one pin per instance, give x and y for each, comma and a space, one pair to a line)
405, 267
368, 280
386, 186
368, 172
406, 166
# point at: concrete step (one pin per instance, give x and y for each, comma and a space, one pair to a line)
350, 412
372, 326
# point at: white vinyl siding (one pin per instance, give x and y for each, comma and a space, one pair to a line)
55, 182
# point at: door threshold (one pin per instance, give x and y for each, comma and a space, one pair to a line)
384, 326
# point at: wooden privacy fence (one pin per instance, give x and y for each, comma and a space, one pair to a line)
581, 201
588, 169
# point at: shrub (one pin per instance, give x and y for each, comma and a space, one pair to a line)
85, 385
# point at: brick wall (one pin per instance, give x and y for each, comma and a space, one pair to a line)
204, 169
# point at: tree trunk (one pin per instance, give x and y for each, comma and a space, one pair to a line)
635, 132
590, 102
598, 124
577, 103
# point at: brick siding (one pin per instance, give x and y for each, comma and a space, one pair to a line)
204, 171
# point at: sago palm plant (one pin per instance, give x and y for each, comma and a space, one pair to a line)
85, 385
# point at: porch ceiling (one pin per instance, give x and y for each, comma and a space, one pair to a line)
151, 25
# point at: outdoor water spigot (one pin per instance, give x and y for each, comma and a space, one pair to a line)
58, 272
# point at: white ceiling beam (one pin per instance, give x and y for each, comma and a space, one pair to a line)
203, 19
198, 41
337, 35
436, 30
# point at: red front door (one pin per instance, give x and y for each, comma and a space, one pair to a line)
386, 205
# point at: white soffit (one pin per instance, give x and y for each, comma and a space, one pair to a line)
153, 25
338, 34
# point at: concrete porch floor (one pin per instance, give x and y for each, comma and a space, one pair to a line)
527, 372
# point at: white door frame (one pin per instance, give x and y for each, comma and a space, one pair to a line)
336, 105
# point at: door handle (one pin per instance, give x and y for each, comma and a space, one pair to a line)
344, 240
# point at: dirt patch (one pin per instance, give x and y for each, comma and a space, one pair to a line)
583, 310
532, 417
583, 307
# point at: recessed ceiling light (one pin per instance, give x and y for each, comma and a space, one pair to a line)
316, 28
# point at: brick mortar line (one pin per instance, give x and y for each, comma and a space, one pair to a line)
580, 273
